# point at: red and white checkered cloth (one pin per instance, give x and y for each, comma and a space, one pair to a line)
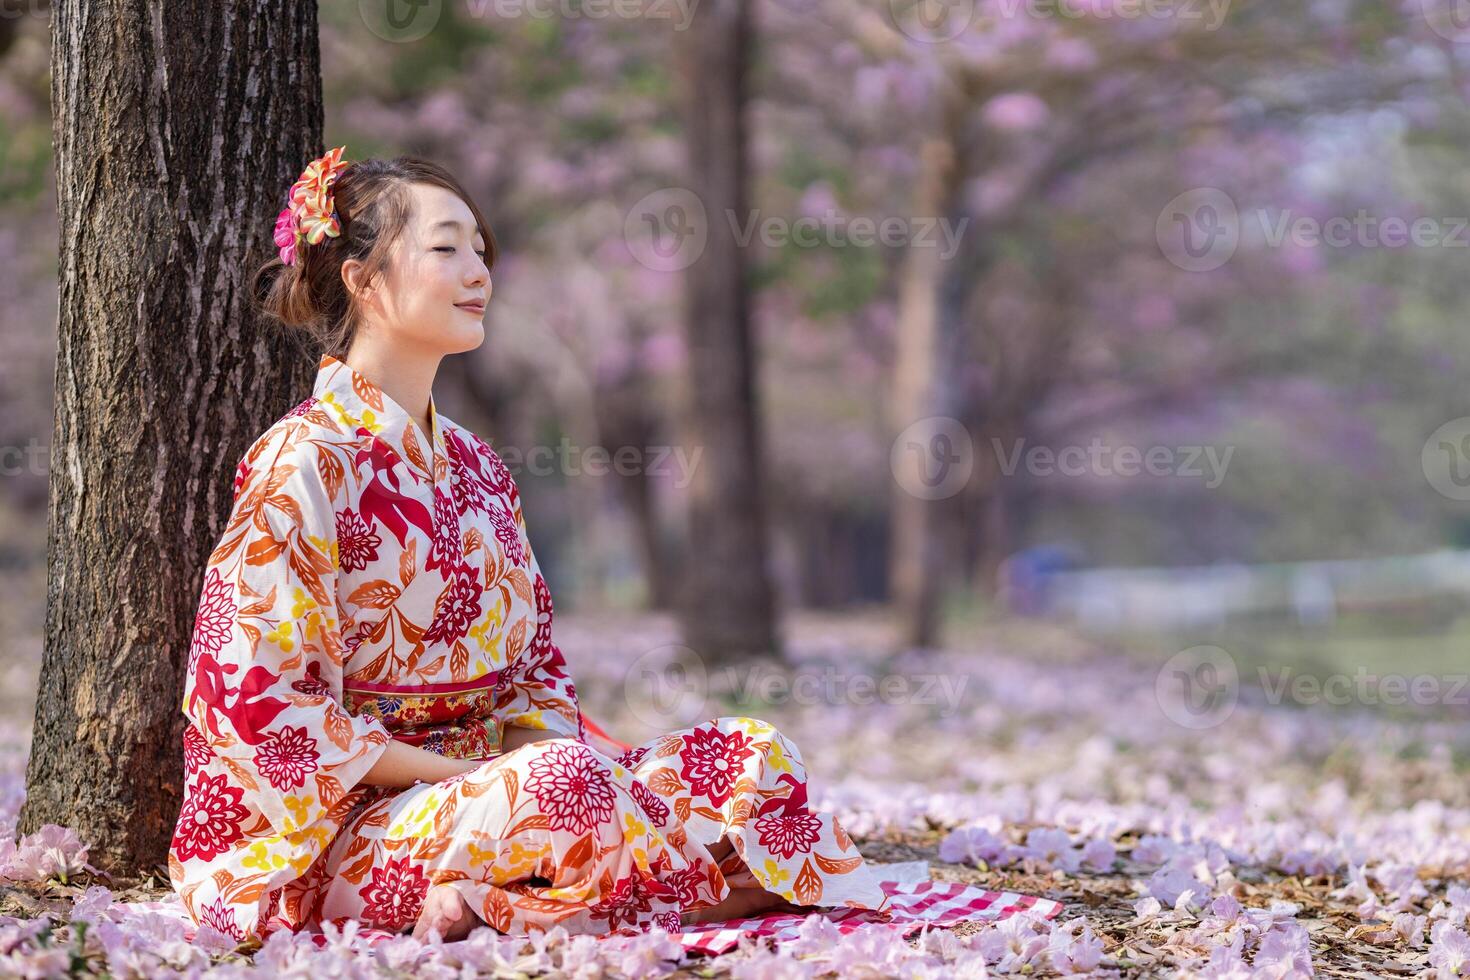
912, 905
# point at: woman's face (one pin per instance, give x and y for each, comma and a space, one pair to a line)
436, 285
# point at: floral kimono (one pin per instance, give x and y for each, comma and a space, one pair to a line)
374, 582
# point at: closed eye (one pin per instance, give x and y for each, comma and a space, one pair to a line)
450, 248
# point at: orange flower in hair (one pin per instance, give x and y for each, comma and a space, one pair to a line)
310, 214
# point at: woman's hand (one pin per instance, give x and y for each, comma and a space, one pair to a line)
402, 765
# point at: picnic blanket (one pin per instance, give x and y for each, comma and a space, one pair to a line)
916, 901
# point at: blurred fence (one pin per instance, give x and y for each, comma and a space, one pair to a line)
1311, 593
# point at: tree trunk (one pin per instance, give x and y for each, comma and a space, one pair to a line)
178, 128
929, 311
627, 421
729, 606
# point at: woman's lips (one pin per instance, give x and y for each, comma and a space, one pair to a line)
475, 308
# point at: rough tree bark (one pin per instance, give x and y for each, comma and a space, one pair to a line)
178, 127
729, 606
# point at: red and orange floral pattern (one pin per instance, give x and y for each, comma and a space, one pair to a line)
374, 582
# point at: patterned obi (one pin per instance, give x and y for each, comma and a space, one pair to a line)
455, 720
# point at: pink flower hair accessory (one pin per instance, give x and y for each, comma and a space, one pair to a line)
310, 213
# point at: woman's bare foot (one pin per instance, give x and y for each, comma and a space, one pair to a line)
741, 902
445, 910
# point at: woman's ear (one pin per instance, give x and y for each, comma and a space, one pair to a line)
362, 291
353, 277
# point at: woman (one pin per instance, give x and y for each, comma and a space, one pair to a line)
380, 727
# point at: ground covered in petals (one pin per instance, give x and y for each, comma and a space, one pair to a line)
1281, 842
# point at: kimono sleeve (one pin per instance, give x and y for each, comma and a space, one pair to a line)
264, 681
537, 692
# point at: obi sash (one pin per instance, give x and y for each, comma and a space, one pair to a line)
454, 719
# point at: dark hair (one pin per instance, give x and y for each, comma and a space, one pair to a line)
373, 207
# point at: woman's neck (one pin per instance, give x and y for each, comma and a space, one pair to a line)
405, 375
